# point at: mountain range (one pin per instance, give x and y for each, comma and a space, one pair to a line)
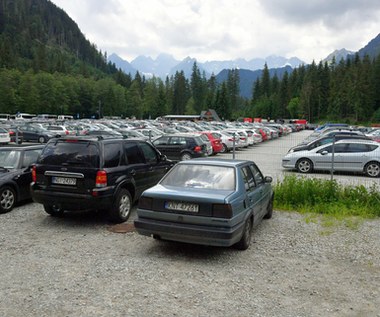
166, 65
249, 71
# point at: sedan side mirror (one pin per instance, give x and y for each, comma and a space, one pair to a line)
324, 152
268, 179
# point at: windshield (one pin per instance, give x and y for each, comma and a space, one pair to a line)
201, 176
9, 158
70, 153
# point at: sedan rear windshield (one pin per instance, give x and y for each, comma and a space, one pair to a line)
201, 176
70, 153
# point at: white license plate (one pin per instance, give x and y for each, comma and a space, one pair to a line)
64, 180
173, 205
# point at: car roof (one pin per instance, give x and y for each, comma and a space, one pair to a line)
215, 161
357, 141
20, 147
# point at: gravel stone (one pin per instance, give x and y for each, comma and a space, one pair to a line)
76, 266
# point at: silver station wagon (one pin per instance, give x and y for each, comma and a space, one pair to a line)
207, 201
361, 156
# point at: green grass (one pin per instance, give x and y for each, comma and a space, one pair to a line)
310, 195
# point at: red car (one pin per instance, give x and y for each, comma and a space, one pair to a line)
216, 142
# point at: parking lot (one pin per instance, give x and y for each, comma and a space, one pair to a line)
268, 155
82, 265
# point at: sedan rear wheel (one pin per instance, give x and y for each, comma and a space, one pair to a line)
304, 165
269, 213
122, 206
372, 169
245, 240
224, 149
7, 199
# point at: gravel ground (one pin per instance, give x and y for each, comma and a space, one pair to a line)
77, 266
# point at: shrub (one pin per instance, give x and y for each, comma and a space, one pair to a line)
326, 197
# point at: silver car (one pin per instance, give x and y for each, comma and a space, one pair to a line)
349, 155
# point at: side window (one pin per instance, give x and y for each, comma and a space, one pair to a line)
249, 181
259, 179
149, 153
355, 148
112, 154
132, 153
30, 157
161, 141
176, 140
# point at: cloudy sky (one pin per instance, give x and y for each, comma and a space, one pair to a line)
226, 29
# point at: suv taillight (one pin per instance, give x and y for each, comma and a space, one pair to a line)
34, 173
198, 149
101, 179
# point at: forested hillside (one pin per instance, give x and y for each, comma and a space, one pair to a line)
48, 66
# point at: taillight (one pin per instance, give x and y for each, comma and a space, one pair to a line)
11, 132
101, 179
67, 132
198, 149
34, 173
222, 211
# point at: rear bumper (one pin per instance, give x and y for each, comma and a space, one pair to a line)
72, 201
189, 233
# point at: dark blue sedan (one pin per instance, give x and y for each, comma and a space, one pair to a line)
207, 201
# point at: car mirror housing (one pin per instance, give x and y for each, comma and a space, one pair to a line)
324, 152
268, 179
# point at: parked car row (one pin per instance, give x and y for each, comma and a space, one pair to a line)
336, 148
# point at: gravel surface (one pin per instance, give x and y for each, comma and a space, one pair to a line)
77, 266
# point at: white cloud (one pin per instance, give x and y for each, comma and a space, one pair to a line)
226, 29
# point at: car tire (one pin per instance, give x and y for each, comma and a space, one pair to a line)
7, 199
245, 240
122, 206
54, 210
269, 213
304, 165
224, 149
41, 139
372, 169
186, 156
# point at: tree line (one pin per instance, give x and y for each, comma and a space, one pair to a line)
348, 90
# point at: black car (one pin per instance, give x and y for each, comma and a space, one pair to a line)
96, 173
327, 139
181, 147
15, 174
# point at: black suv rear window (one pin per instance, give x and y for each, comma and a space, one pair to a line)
70, 153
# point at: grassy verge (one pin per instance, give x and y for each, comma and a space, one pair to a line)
310, 195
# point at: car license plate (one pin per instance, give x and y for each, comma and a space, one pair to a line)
64, 180
173, 205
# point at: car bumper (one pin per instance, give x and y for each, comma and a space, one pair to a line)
72, 201
287, 164
189, 233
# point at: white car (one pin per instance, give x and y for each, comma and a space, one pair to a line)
4, 136
349, 155
228, 141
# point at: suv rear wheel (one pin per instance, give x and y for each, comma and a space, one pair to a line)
121, 208
54, 210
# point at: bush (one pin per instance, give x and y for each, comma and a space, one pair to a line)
326, 197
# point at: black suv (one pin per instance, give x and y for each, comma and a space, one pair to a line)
81, 173
181, 146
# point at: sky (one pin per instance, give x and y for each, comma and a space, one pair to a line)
210, 30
